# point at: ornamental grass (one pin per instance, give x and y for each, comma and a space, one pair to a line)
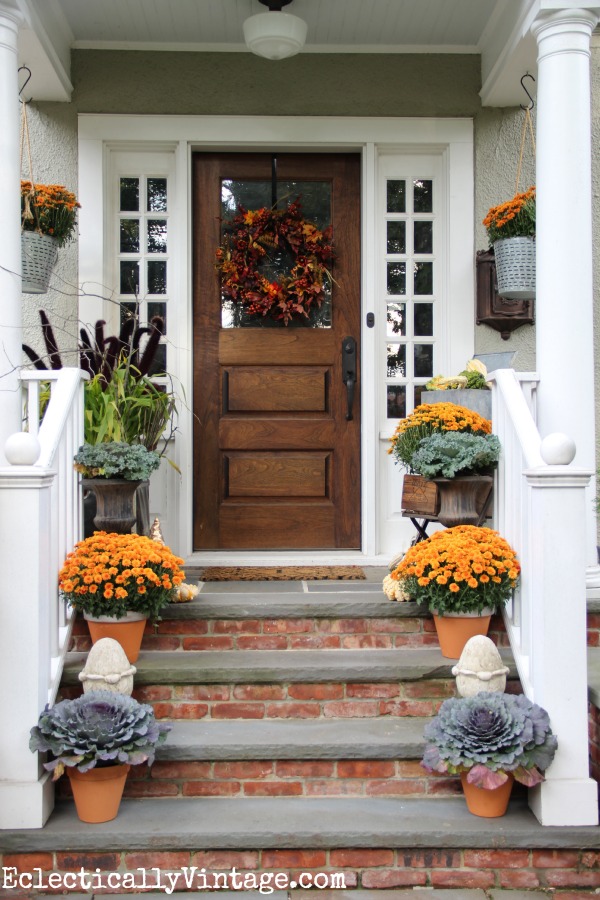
431, 418
464, 569
515, 218
113, 574
49, 209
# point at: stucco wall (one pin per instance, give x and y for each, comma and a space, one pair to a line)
310, 84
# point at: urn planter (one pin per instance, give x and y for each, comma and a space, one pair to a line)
463, 499
115, 503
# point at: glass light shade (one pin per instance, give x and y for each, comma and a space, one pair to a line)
275, 35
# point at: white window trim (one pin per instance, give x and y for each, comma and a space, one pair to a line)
452, 138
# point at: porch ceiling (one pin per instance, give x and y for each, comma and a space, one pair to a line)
498, 30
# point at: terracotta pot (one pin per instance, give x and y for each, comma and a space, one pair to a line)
98, 793
128, 631
115, 503
489, 804
462, 499
454, 630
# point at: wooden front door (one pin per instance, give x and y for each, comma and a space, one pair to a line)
276, 458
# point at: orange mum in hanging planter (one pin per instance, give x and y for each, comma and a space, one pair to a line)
265, 239
49, 209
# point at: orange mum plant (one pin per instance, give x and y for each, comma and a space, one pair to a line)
49, 209
515, 218
431, 418
112, 574
459, 570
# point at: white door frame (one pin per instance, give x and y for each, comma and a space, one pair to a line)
181, 136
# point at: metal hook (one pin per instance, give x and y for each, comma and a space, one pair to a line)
531, 100
27, 80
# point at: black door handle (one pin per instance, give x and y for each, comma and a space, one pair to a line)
349, 371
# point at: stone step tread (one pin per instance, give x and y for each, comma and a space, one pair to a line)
282, 666
250, 739
325, 605
292, 822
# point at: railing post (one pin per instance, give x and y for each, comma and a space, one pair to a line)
26, 596
557, 503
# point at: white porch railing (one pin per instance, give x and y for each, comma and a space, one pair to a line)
539, 507
40, 521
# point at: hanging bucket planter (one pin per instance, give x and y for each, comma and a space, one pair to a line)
38, 257
515, 267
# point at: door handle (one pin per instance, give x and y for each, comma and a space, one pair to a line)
349, 371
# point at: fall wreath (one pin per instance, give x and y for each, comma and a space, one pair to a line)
262, 237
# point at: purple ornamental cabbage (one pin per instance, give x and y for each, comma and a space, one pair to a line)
489, 735
99, 728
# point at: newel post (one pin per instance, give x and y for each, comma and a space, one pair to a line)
558, 623
26, 793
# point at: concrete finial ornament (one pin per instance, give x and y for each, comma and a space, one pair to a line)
480, 668
107, 669
155, 532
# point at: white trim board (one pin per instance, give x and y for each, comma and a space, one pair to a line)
374, 138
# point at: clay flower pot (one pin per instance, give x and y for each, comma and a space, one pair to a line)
128, 631
455, 629
489, 804
98, 793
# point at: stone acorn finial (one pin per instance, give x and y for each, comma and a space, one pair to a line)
480, 668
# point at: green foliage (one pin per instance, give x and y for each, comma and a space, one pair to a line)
448, 453
489, 735
476, 381
126, 408
116, 459
101, 728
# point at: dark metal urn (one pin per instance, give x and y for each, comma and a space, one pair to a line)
464, 499
115, 503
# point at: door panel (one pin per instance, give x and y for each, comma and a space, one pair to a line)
276, 461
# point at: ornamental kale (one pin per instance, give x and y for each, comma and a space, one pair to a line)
488, 736
99, 728
448, 454
115, 459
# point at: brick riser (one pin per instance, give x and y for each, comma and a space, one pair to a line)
285, 778
294, 701
288, 634
574, 872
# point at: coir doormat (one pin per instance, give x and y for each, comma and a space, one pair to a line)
282, 573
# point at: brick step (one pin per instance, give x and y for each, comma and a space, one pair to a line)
321, 619
285, 823
372, 843
288, 684
310, 758
281, 666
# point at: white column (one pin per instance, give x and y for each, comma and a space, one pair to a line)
564, 294
10, 232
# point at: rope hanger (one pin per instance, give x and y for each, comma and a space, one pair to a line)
527, 127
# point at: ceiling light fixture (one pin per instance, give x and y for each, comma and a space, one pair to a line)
275, 34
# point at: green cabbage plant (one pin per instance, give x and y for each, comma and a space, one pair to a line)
100, 728
116, 459
489, 736
449, 453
